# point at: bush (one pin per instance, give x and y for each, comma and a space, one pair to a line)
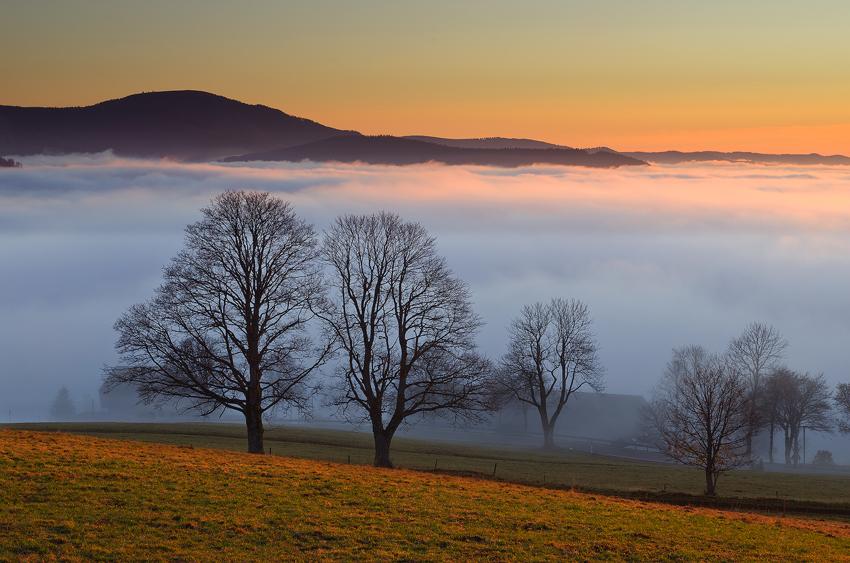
823, 457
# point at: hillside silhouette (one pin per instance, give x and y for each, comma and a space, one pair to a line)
401, 151
678, 157
185, 125
487, 143
191, 125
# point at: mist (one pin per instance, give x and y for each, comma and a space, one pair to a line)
663, 255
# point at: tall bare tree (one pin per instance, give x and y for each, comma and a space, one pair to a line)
404, 324
552, 354
227, 329
701, 411
799, 401
755, 352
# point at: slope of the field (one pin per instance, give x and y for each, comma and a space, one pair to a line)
756, 490
79, 497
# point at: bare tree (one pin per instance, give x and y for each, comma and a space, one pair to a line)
700, 410
799, 401
227, 329
755, 352
63, 407
842, 405
552, 354
404, 324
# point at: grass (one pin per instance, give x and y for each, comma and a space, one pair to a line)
529, 466
81, 497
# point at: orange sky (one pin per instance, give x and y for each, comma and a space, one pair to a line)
687, 75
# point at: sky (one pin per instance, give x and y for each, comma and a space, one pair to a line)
664, 256
650, 75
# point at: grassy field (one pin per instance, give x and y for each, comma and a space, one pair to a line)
529, 466
82, 497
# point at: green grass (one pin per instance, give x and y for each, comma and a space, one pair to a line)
528, 466
76, 497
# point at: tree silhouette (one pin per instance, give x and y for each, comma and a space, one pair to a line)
227, 329
63, 407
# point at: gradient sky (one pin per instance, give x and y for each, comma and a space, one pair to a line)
768, 76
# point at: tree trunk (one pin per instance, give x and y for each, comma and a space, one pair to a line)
795, 456
787, 448
548, 436
382, 448
770, 452
254, 424
710, 482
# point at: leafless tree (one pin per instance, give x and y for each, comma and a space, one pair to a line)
404, 325
754, 353
63, 407
799, 401
227, 329
842, 405
552, 354
700, 410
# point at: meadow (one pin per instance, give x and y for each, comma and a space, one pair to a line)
81, 497
755, 490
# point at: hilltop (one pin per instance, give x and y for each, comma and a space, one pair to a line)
184, 125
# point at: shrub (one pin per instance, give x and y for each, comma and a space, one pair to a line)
823, 457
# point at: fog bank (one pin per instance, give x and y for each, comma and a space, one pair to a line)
664, 255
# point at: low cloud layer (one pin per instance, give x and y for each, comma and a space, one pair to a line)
663, 255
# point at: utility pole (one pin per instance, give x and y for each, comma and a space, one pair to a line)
804, 445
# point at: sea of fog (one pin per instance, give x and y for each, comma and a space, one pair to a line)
663, 255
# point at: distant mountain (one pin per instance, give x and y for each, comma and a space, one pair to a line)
185, 125
193, 125
678, 157
487, 143
398, 150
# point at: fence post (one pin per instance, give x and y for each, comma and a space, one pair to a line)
494, 468
435, 464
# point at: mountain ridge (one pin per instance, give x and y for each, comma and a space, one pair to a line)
386, 149
194, 125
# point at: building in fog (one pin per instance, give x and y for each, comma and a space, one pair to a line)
596, 416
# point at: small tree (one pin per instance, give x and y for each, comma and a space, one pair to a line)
552, 354
823, 457
800, 401
227, 328
700, 410
404, 324
63, 407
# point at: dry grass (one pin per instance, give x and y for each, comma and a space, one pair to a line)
78, 497
759, 490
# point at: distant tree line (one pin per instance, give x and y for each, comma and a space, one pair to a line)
9, 163
708, 408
